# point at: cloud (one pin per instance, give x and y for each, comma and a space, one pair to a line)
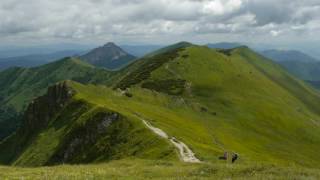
220, 7
275, 33
138, 19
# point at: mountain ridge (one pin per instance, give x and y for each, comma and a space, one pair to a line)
213, 101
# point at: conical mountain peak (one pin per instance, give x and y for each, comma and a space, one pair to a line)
109, 56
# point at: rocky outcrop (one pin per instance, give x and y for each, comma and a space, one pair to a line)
44, 108
76, 146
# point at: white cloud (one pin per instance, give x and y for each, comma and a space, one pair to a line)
275, 33
218, 7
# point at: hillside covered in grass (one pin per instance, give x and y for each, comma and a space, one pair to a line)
214, 101
61, 128
19, 86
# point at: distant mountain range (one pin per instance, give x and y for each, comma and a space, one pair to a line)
16, 50
140, 50
109, 56
35, 59
288, 55
299, 64
224, 45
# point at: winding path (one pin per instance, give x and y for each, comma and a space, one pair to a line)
185, 152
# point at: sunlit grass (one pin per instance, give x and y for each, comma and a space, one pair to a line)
144, 169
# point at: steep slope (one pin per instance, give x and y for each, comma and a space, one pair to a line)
20, 85
60, 128
109, 56
299, 64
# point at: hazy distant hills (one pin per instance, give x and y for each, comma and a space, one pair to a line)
288, 55
35, 59
16, 50
224, 45
300, 64
140, 50
109, 56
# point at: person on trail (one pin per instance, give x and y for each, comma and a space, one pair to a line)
224, 157
234, 157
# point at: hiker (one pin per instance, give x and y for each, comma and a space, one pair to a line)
224, 157
234, 157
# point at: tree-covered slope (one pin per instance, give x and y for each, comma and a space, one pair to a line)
20, 85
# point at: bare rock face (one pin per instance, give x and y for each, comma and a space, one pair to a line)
42, 109
85, 136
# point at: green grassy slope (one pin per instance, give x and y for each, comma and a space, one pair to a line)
213, 101
237, 101
59, 128
20, 85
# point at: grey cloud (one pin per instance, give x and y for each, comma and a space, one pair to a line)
120, 19
284, 11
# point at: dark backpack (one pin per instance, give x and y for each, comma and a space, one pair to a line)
234, 157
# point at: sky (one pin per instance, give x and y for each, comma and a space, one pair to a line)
284, 23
